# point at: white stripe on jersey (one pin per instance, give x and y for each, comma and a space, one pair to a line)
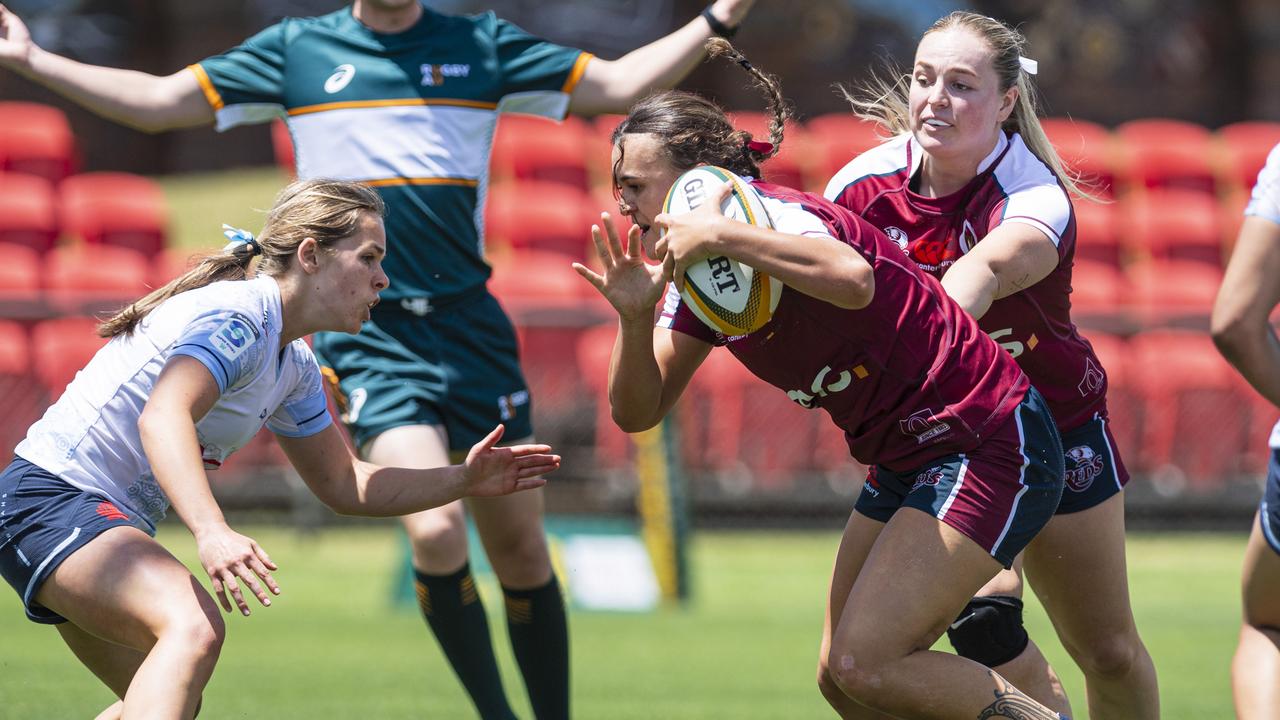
885, 159
1265, 199
1034, 196
247, 114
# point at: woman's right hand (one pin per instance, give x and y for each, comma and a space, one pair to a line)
227, 555
631, 285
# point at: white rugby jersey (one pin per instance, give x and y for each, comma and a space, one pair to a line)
90, 437
1265, 203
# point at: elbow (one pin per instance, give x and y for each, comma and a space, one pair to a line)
1229, 331
631, 424
859, 292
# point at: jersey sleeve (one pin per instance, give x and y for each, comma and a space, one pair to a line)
1265, 200
793, 219
304, 411
1043, 206
245, 85
537, 76
228, 343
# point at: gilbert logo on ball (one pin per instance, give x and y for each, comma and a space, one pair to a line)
730, 297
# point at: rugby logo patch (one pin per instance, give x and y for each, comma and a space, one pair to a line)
233, 337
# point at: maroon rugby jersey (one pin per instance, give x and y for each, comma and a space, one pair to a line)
1012, 185
909, 378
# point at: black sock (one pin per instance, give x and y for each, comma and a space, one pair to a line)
455, 614
540, 638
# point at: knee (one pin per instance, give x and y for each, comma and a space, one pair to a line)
853, 674
433, 531
827, 685
200, 634
1110, 656
989, 630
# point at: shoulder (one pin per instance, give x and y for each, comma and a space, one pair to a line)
888, 158
1020, 170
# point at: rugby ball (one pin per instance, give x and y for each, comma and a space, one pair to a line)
730, 297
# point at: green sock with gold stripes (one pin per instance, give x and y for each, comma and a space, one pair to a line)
455, 614
540, 639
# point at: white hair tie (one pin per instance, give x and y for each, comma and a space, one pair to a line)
1029, 66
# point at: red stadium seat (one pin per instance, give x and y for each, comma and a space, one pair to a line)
1163, 153
837, 138
788, 166
90, 277
169, 264
1173, 224
530, 148
1193, 431
28, 214
613, 447
60, 347
1097, 237
539, 216
1173, 292
37, 140
1244, 147
539, 283
282, 147
19, 273
1087, 149
115, 209
23, 398
1096, 289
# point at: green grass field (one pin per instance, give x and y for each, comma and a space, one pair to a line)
334, 645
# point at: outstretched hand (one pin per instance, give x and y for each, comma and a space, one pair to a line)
732, 12
15, 40
492, 471
631, 285
232, 559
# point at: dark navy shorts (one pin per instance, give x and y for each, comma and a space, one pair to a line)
456, 365
1269, 510
1000, 494
1094, 469
43, 519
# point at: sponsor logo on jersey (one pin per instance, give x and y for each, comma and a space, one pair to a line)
507, 404
1083, 467
823, 384
340, 78
898, 236
233, 337
930, 477
434, 75
1093, 379
923, 425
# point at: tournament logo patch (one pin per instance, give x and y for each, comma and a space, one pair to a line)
1083, 467
924, 425
233, 337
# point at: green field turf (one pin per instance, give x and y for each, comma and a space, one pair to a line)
334, 646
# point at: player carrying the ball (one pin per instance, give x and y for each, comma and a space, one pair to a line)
954, 430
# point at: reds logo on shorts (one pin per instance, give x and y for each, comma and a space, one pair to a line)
932, 476
1083, 467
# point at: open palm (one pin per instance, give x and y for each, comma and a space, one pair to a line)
631, 285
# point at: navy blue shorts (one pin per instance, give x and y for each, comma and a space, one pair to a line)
1000, 494
1095, 471
456, 366
43, 519
1269, 510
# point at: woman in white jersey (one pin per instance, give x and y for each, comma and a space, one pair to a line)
1243, 332
973, 192
191, 373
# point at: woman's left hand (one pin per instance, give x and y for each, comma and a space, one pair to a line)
693, 236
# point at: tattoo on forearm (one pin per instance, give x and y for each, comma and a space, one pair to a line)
1011, 704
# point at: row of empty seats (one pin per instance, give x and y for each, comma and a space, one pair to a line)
118, 209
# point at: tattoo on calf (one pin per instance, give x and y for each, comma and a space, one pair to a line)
1011, 704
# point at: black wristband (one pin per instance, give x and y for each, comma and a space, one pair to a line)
717, 27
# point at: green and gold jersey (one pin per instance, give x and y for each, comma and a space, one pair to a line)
412, 114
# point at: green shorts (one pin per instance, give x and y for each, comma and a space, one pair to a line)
456, 365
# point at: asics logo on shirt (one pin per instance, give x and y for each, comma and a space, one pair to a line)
340, 78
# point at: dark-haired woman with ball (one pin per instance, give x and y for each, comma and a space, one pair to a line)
958, 438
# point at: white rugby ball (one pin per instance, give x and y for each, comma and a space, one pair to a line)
730, 297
